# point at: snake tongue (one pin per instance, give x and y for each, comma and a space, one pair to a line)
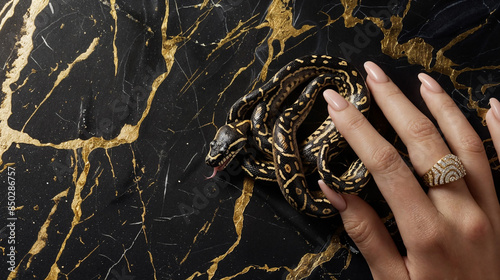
216, 169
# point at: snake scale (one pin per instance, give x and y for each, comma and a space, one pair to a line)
255, 120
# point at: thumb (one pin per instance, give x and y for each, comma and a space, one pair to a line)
365, 228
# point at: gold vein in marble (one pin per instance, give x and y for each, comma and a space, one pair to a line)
203, 231
204, 4
279, 19
81, 261
24, 48
417, 51
63, 75
241, 29
311, 261
115, 29
128, 133
76, 207
238, 218
41, 241
7, 12
42, 237
265, 268
236, 75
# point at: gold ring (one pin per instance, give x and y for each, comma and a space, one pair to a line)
448, 169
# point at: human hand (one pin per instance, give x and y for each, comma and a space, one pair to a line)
450, 232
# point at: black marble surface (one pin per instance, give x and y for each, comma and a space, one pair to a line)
108, 106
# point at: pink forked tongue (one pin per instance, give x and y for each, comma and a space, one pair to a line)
216, 169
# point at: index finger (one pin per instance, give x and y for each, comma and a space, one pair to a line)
395, 180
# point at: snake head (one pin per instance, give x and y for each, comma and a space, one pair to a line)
228, 141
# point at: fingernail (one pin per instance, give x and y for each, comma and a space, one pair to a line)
334, 100
335, 198
375, 73
495, 106
429, 83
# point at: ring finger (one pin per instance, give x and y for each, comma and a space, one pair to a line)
424, 142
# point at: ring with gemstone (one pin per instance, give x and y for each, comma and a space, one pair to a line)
448, 169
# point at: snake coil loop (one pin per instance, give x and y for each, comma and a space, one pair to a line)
255, 119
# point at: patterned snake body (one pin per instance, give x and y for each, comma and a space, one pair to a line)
275, 136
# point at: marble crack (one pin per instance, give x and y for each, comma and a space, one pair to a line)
122, 256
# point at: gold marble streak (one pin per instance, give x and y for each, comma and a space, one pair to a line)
241, 70
41, 241
417, 51
234, 34
329, 21
128, 134
76, 207
487, 86
25, 46
203, 230
64, 74
152, 264
5, 166
115, 29
238, 218
9, 13
81, 261
266, 268
195, 76
110, 163
131, 134
204, 4
143, 218
42, 237
280, 19
311, 261
191, 30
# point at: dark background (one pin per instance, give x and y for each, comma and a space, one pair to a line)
108, 107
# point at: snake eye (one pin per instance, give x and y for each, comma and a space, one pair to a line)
213, 143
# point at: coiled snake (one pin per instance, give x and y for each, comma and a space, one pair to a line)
254, 119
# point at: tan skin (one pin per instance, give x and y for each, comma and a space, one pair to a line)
450, 232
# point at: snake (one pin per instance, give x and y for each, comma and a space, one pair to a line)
255, 118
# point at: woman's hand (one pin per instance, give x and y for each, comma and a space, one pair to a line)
450, 232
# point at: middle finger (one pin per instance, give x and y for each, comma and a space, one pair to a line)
421, 137
424, 143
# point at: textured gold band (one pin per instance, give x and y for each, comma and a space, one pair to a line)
448, 169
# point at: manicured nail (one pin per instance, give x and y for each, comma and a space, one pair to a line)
334, 197
334, 100
429, 83
375, 73
495, 106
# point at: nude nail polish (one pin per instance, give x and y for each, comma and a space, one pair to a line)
429, 83
334, 100
375, 72
495, 107
336, 199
